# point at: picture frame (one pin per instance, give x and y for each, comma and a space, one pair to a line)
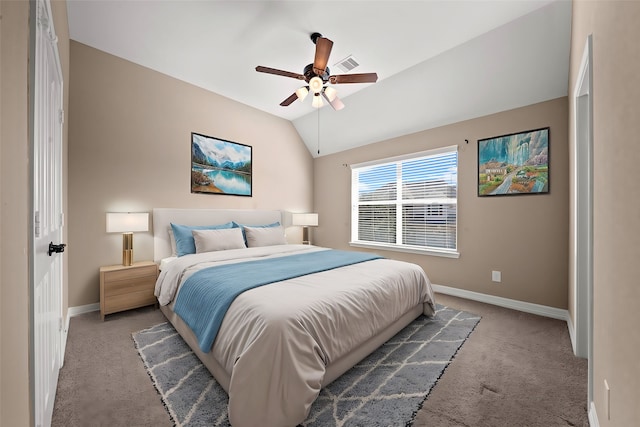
219, 166
514, 164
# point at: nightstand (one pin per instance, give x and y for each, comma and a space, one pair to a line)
126, 287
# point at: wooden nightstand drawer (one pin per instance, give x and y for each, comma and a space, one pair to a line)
127, 301
126, 287
137, 284
131, 273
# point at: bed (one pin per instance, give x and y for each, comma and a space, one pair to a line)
279, 344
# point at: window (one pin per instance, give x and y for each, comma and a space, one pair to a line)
407, 203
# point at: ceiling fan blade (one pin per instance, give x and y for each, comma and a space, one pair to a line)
323, 50
289, 100
336, 103
354, 78
277, 72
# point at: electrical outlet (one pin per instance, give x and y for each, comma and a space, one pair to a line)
496, 276
607, 400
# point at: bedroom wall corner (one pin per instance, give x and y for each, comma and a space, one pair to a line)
525, 236
129, 150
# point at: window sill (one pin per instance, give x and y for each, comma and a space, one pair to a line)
408, 249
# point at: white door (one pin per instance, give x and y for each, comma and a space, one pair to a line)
47, 216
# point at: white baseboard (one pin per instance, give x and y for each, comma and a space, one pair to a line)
527, 307
572, 333
76, 311
593, 416
63, 344
72, 312
81, 309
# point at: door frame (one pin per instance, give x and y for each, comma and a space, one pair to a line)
583, 211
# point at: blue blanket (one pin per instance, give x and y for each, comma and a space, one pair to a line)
204, 297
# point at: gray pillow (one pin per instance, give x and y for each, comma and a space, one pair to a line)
264, 236
218, 240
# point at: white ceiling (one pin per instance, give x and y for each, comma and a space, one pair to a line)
438, 62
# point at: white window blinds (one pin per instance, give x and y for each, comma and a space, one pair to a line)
407, 202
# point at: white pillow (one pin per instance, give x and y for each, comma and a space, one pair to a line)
172, 239
218, 240
264, 236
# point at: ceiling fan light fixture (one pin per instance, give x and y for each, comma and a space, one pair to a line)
330, 93
317, 101
302, 93
315, 84
317, 74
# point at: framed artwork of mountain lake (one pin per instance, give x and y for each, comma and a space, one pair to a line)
512, 164
219, 166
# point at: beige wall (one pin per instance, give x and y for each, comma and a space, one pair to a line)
14, 215
525, 237
616, 222
129, 150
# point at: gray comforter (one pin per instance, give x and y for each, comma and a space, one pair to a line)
276, 340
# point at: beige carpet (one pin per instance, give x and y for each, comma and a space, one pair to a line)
516, 369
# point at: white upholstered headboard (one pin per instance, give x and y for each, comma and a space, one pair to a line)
163, 217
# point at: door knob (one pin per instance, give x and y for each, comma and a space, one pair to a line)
56, 248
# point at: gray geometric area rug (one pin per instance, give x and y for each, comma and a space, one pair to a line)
387, 388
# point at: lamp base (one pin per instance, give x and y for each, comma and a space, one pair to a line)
127, 249
305, 236
127, 257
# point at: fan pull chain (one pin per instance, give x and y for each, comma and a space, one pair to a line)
318, 131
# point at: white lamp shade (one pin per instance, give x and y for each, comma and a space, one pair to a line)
301, 93
305, 219
317, 101
125, 222
315, 84
330, 93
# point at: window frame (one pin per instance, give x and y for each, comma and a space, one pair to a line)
399, 160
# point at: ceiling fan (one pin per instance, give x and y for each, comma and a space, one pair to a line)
317, 75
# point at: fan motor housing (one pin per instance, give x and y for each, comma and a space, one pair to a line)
309, 74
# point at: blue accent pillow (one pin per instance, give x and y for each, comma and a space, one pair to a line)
184, 238
242, 226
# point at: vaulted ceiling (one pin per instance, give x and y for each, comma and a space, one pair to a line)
438, 62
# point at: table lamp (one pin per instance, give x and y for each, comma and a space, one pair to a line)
126, 223
306, 220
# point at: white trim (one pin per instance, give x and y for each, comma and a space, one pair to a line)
73, 312
527, 307
426, 153
81, 309
593, 416
572, 333
407, 249
63, 344
582, 204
